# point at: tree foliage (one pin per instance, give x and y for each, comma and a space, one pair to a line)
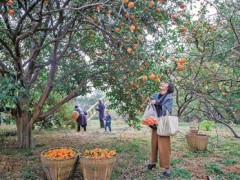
65, 47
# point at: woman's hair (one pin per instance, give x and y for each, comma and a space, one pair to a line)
170, 87
76, 106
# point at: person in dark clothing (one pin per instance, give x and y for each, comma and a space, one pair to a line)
100, 108
163, 102
108, 120
81, 120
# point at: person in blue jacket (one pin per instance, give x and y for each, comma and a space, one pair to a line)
101, 108
163, 102
108, 120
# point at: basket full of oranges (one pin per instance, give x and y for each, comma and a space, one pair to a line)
97, 163
59, 163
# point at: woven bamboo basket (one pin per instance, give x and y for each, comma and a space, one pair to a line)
201, 141
74, 116
59, 169
191, 141
197, 141
97, 169
193, 131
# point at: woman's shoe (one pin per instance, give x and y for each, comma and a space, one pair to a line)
166, 174
151, 166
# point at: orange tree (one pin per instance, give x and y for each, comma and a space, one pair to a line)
65, 47
209, 83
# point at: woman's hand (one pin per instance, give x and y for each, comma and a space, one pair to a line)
153, 101
154, 127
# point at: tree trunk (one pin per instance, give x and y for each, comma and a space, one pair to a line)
24, 129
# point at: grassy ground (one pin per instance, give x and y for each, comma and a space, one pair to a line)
220, 161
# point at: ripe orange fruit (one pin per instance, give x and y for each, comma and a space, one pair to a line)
223, 94
158, 10
145, 64
110, 11
134, 46
163, 58
144, 78
11, 12
132, 17
130, 5
117, 29
182, 60
132, 28
152, 76
180, 67
183, 29
10, 2
151, 3
129, 50
182, 6
125, 1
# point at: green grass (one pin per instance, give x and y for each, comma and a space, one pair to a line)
229, 162
40, 145
181, 173
233, 176
28, 173
212, 167
25, 152
175, 161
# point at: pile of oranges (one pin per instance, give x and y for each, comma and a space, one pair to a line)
98, 153
60, 153
180, 63
151, 120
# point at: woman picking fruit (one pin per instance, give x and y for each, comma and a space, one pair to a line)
163, 102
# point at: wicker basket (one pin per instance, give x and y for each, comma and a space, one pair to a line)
197, 141
59, 169
191, 141
201, 141
193, 131
97, 169
74, 116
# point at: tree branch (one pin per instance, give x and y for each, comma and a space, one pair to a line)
68, 97
235, 33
